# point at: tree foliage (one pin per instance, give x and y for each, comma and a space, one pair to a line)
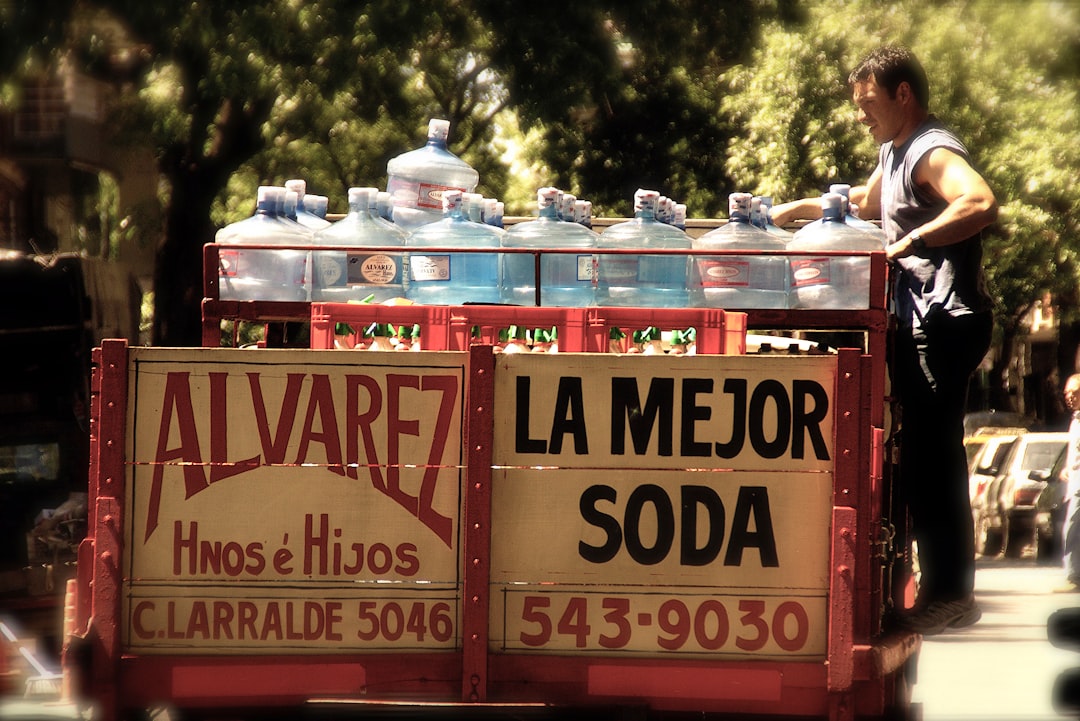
696, 100
1004, 75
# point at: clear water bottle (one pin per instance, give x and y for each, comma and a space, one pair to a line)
453, 278
302, 214
679, 220
384, 203
317, 205
418, 178
340, 276
739, 281
496, 216
586, 214
639, 279
565, 279
850, 216
264, 274
766, 216
830, 283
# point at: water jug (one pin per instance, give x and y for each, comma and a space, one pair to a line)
418, 178
447, 278
739, 281
264, 274
640, 279
341, 276
565, 279
830, 283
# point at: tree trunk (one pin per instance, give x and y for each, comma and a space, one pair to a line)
178, 288
1001, 397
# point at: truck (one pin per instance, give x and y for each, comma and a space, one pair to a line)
464, 530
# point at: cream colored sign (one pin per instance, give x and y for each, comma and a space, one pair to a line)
651, 506
659, 547
254, 474
608, 411
689, 622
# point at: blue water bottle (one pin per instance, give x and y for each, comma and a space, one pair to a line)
448, 278
639, 279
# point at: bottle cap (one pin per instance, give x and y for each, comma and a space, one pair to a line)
842, 188
832, 206
359, 198
579, 211
438, 129
451, 200
739, 206
373, 198
566, 211
316, 204
298, 186
646, 200
680, 213
546, 197
264, 197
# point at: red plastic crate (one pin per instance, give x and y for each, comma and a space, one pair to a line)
719, 332
449, 327
580, 329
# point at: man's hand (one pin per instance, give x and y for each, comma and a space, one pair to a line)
900, 249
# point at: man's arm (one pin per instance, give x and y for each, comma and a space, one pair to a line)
971, 203
801, 209
867, 197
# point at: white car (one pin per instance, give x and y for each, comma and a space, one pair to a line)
1010, 497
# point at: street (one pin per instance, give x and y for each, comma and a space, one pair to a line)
1003, 667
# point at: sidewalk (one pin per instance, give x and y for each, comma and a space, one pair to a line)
1003, 667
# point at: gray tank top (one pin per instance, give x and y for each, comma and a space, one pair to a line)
948, 278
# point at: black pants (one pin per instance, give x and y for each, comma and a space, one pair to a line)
931, 374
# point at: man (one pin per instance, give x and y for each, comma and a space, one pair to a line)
1072, 492
933, 206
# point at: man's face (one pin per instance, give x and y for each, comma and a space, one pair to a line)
876, 110
1072, 394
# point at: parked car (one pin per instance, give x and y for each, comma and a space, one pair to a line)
1010, 497
1050, 511
976, 441
986, 465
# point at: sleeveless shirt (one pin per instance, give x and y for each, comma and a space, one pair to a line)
946, 278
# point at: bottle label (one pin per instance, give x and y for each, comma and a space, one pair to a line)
809, 271
228, 261
619, 269
429, 268
410, 194
725, 273
586, 268
374, 269
330, 269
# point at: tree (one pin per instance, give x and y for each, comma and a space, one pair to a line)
995, 76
